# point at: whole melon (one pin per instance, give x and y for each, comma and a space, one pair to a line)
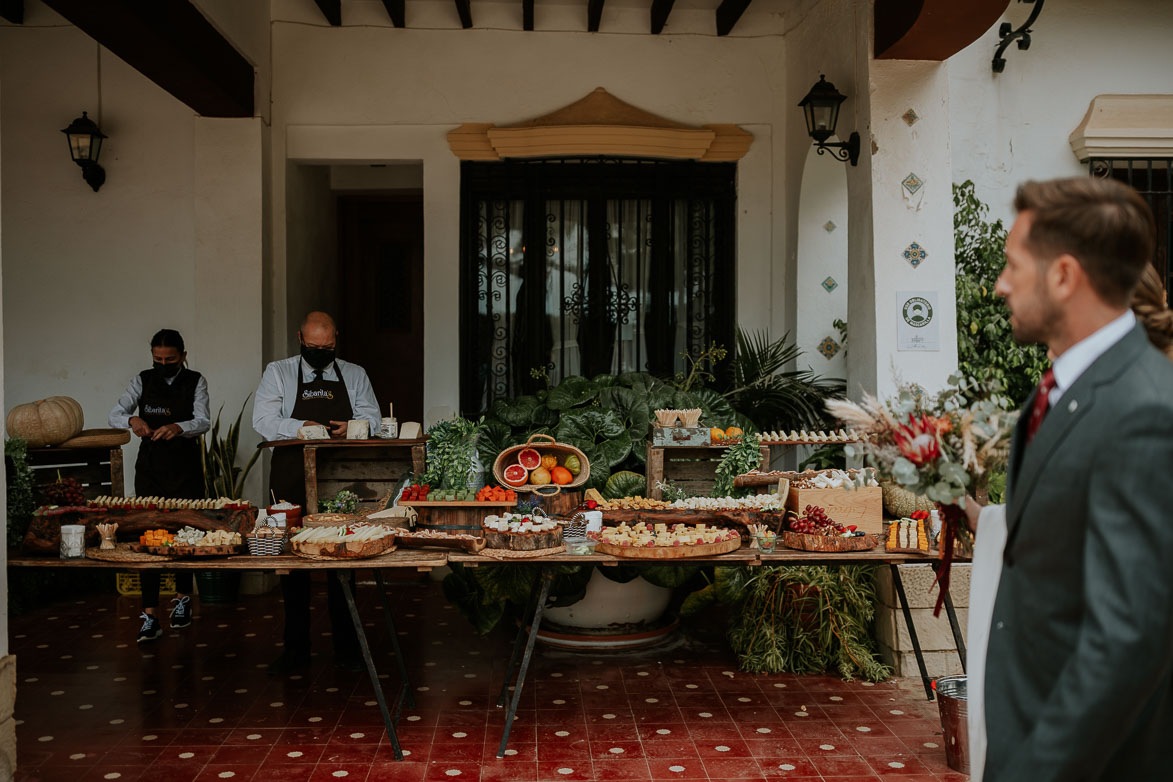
45, 422
900, 502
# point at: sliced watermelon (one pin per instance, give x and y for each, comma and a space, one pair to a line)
529, 458
516, 475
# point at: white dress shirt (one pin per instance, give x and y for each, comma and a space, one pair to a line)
127, 408
1077, 358
277, 394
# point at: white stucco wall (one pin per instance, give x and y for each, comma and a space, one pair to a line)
359, 94
822, 258
1013, 126
173, 239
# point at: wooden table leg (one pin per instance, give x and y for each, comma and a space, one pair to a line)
310, 466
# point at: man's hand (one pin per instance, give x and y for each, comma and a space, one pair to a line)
338, 428
139, 427
167, 432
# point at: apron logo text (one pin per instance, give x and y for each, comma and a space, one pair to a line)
320, 393
152, 410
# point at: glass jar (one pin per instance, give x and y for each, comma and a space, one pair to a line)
73, 541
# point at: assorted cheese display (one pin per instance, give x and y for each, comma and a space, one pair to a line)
642, 534
910, 533
190, 536
759, 502
167, 503
517, 532
344, 541
835, 479
156, 537
313, 432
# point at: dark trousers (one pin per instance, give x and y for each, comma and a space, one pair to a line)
149, 580
296, 588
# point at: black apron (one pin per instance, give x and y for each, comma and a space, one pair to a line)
168, 468
317, 400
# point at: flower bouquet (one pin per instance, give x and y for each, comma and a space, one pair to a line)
942, 447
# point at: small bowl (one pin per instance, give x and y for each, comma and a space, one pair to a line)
582, 547
766, 543
292, 516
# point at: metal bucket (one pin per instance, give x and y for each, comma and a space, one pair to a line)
953, 701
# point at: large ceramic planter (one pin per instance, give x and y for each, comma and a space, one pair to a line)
610, 616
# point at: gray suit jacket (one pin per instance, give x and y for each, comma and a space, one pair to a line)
1078, 675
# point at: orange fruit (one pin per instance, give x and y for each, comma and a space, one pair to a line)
516, 475
529, 459
561, 476
717, 433
540, 477
734, 431
549, 462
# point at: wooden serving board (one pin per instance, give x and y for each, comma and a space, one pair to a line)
442, 504
804, 542
736, 519
470, 544
668, 552
192, 551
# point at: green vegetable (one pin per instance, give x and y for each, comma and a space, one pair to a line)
739, 459
452, 449
342, 502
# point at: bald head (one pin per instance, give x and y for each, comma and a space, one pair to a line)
318, 330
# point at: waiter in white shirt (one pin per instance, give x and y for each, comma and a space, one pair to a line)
314, 387
166, 406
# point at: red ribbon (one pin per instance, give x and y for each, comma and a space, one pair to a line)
952, 519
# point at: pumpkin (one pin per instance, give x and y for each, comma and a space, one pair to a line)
45, 422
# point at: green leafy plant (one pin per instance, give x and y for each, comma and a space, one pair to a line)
700, 368
829, 457
625, 483
740, 458
222, 476
797, 619
452, 451
21, 494
344, 501
841, 327
986, 349
769, 390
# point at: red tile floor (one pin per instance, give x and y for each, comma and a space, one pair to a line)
197, 705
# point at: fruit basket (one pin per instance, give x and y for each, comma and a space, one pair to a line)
521, 467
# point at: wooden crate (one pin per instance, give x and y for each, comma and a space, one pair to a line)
98, 470
862, 507
693, 469
370, 469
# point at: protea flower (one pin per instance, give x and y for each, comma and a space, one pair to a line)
917, 440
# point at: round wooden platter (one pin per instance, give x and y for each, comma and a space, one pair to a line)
344, 549
669, 552
122, 552
804, 542
503, 553
192, 551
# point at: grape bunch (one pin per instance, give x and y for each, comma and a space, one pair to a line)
65, 492
815, 521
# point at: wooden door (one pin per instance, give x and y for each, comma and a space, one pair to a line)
381, 276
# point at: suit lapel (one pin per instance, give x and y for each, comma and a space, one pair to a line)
1029, 460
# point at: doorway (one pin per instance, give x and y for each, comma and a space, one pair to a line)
381, 280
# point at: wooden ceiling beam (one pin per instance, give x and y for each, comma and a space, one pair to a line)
396, 11
527, 14
173, 45
464, 9
594, 15
332, 10
931, 29
12, 10
660, 11
728, 13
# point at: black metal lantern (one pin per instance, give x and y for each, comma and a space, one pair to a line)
85, 144
820, 107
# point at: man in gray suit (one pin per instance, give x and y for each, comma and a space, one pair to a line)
1079, 673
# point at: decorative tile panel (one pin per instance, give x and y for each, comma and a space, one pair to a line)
910, 117
829, 226
912, 183
829, 284
915, 254
829, 347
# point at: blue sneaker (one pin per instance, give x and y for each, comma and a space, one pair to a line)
181, 613
150, 629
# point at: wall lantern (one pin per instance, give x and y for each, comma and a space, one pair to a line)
821, 108
85, 144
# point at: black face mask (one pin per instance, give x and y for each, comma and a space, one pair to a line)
318, 358
168, 370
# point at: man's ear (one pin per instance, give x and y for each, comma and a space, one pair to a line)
1066, 276
300, 340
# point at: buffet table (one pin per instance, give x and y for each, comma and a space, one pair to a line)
524, 642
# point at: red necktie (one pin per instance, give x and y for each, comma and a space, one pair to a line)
1042, 402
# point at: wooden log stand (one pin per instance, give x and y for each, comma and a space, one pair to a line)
98, 470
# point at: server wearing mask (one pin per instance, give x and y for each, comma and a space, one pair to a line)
314, 387
166, 406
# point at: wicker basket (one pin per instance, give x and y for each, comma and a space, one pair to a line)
271, 546
575, 528
545, 444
